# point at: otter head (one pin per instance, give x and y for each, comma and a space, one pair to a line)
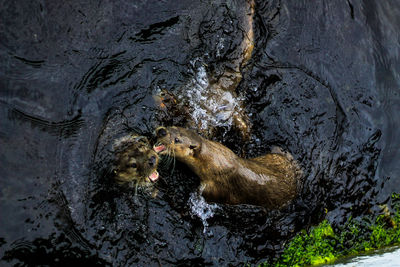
135, 161
179, 142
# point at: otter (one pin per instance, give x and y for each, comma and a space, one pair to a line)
270, 180
135, 161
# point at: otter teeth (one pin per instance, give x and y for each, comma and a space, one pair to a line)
154, 176
159, 148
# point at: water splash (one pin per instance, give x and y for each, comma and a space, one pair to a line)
220, 46
203, 210
211, 106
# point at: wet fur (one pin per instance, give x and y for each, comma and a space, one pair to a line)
130, 150
270, 180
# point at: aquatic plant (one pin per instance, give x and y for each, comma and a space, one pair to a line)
322, 244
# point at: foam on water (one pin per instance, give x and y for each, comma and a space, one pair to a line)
220, 46
200, 208
211, 106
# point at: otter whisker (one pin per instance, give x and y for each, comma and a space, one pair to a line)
165, 162
136, 188
168, 159
156, 144
158, 186
173, 162
168, 155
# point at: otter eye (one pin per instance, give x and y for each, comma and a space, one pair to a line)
134, 165
177, 140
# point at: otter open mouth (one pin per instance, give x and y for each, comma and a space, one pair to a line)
159, 149
154, 176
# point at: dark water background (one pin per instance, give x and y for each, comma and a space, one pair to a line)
323, 83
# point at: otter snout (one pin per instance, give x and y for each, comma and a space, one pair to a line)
161, 132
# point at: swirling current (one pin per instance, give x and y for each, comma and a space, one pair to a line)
322, 82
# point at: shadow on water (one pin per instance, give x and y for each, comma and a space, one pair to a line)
322, 83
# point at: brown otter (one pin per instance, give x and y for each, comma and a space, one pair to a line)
135, 161
270, 180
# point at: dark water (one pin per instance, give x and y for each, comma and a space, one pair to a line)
323, 83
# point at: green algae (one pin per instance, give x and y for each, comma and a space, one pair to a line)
322, 245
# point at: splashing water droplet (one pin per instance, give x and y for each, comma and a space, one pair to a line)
202, 209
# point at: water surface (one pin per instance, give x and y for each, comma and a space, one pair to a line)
323, 83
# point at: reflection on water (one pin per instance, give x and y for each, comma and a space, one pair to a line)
322, 83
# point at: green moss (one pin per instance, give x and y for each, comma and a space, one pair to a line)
321, 245
313, 248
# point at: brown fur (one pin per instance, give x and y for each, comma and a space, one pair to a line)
270, 180
135, 160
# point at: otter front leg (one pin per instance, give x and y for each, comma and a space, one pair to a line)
213, 193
